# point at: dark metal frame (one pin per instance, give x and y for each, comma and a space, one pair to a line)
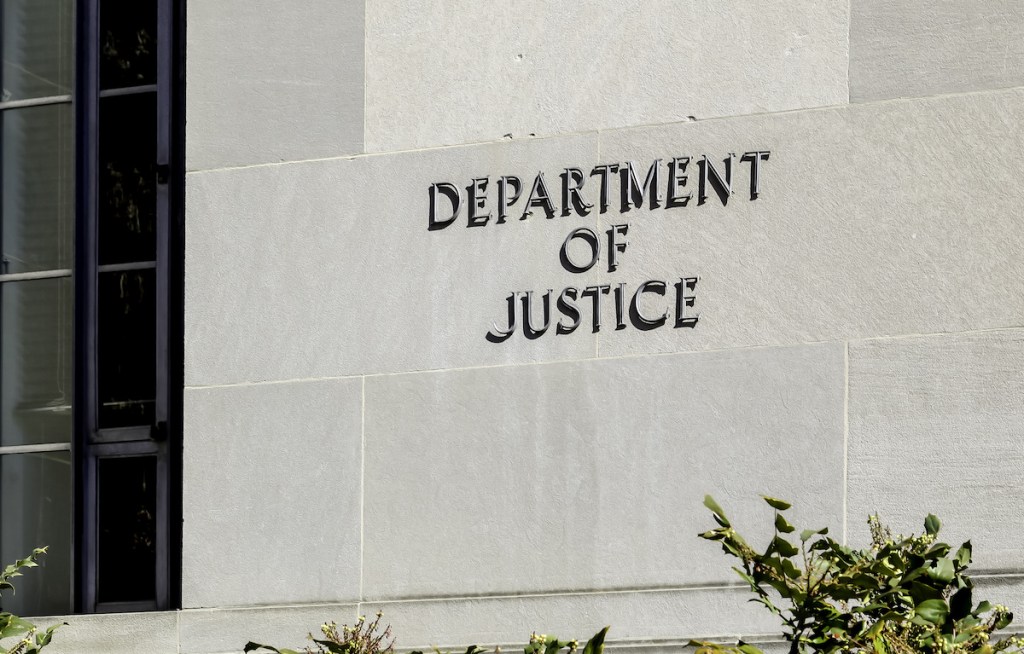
163, 437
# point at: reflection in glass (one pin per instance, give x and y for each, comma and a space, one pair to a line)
35, 352
35, 510
36, 45
37, 208
127, 43
127, 213
127, 347
127, 529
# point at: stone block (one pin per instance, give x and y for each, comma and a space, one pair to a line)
590, 475
268, 83
272, 494
467, 71
926, 47
935, 427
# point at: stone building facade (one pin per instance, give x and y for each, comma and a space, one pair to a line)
791, 238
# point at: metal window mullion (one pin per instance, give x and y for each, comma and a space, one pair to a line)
35, 449
85, 405
128, 90
39, 274
164, 77
35, 102
121, 267
122, 434
162, 586
164, 103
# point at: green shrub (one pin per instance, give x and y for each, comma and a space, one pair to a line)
898, 596
369, 638
30, 639
363, 638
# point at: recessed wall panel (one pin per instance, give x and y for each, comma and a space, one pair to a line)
590, 476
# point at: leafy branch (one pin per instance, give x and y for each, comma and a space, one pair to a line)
30, 639
898, 596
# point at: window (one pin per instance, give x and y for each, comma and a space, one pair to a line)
90, 301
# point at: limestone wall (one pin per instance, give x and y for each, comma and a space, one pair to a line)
354, 440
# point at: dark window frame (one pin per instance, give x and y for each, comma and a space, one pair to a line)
163, 437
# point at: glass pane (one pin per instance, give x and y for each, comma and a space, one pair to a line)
127, 348
36, 40
35, 510
127, 529
127, 178
127, 43
35, 361
37, 209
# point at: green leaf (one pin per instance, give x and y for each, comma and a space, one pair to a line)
963, 555
933, 611
775, 503
553, 645
596, 643
744, 576
937, 551
1004, 620
729, 548
942, 570
717, 510
921, 592
913, 574
335, 648
790, 570
781, 525
932, 525
784, 547
960, 604
984, 607
12, 625
704, 647
807, 533
48, 634
767, 604
252, 647
747, 648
